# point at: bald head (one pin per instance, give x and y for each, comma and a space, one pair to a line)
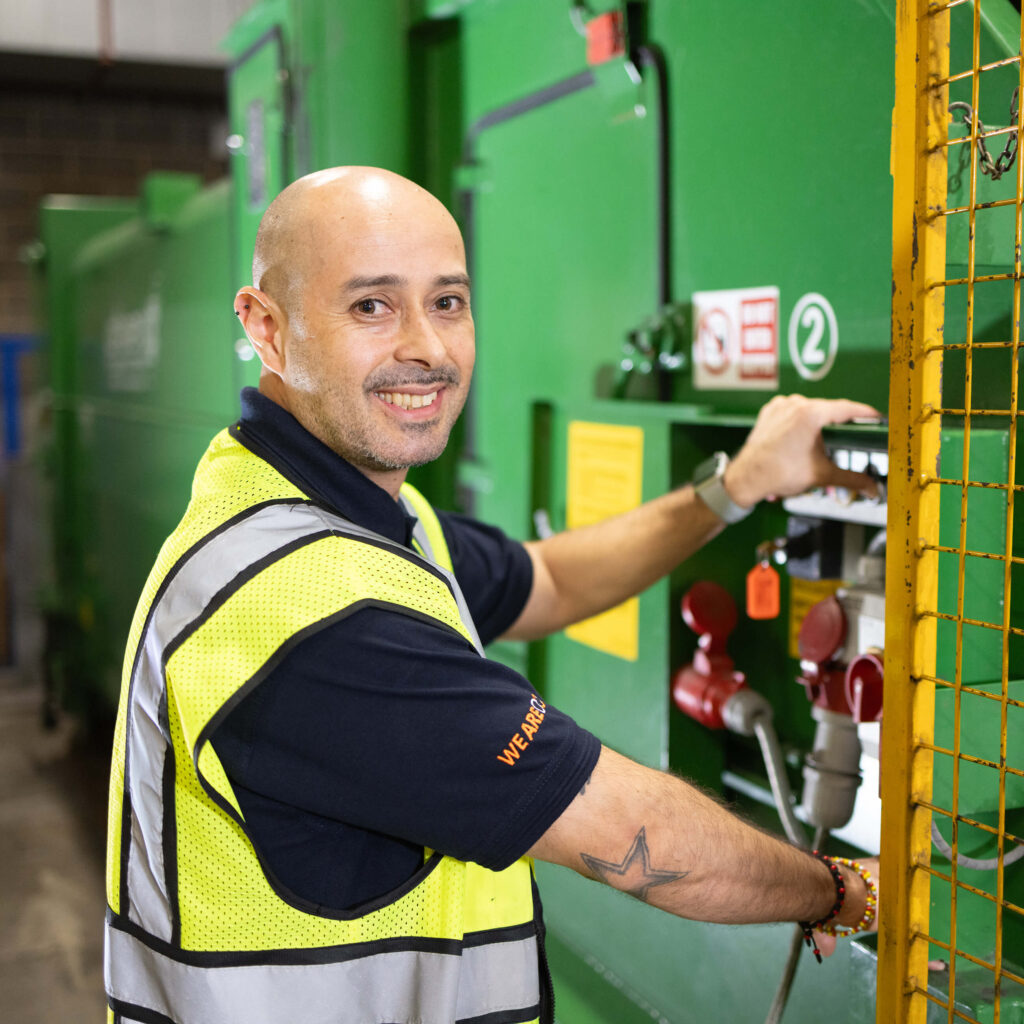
326, 209
360, 313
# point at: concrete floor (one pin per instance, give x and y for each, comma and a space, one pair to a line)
53, 796
52, 824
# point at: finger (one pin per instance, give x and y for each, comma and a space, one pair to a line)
840, 410
826, 943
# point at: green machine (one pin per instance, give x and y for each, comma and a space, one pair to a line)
145, 370
673, 210
66, 224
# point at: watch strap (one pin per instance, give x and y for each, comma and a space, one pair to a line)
709, 485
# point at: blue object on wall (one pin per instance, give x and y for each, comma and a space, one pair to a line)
12, 346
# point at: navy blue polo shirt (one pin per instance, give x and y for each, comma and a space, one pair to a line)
381, 735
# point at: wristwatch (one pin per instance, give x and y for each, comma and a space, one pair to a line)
708, 484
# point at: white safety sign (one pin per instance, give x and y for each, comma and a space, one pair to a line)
813, 336
736, 339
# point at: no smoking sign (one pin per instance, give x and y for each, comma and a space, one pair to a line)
714, 331
736, 339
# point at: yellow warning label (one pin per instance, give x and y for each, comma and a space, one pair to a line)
605, 478
803, 596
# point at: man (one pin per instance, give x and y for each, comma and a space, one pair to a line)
316, 813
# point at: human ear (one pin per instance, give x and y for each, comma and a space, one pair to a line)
262, 320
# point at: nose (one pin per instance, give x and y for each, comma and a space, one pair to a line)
419, 341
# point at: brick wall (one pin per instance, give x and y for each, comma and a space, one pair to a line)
90, 143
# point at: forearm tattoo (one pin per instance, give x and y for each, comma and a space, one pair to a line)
634, 873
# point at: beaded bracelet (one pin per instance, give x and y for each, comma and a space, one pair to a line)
870, 902
809, 928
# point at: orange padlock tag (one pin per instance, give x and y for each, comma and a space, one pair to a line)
763, 592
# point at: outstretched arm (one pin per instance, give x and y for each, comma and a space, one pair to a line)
664, 841
585, 571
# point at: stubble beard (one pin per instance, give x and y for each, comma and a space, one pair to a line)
357, 443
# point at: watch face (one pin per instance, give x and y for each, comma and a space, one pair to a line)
710, 467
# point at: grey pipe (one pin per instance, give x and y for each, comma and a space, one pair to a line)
963, 861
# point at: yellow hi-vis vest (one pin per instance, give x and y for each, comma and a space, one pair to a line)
196, 932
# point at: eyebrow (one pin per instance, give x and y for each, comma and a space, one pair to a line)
394, 281
452, 279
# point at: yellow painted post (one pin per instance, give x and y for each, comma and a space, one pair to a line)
919, 256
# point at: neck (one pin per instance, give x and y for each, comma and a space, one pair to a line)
389, 480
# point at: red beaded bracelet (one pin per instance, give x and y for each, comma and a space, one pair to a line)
809, 928
870, 902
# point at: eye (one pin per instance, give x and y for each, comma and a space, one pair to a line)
368, 306
449, 303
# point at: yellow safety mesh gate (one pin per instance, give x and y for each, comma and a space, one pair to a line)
951, 946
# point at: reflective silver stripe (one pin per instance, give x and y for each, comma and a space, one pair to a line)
419, 533
394, 987
211, 568
464, 614
420, 536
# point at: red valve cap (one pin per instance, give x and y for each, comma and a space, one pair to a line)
709, 608
864, 688
822, 632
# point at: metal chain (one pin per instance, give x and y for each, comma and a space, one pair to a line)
995, 169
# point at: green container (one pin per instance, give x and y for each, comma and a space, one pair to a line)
66, 224
154, 372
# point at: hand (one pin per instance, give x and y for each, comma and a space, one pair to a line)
784, 454
853, 906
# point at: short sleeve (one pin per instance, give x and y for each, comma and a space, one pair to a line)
396, 726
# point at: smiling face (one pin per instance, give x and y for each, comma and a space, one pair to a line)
371, 344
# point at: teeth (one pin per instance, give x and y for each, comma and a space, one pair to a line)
405, 400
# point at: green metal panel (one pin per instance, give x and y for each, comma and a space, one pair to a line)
66, 224
158, 375
259, 88
780, 120
676, 971
986, 532
333, 83
564, 266
625, 703
531, 326
435, 106
979, 721
435, 141
514, 48
351, 84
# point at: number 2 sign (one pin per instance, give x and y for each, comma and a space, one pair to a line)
813, 336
